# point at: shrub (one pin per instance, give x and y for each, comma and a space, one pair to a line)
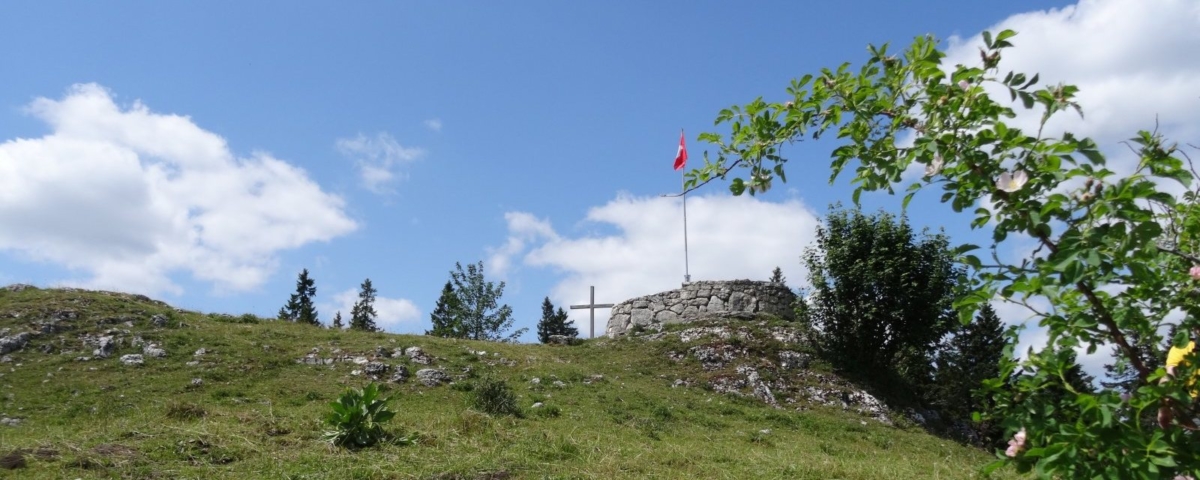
357, 418
494, 397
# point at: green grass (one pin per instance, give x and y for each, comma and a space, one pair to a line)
257, 412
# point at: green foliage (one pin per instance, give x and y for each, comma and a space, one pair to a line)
554, 323
1113, 250
777, 276
494, 397
337, 321
357, 418
446, 319
880, 297
299, 307
473, 311
362, 315
972, 356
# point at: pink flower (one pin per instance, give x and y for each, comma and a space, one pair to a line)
1184, 477
934, 166
1195, 272
1016, 444
1011, 182
1125, 397
963, 84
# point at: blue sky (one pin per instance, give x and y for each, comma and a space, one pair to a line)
204, 153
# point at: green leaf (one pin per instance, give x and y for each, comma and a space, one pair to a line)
987, 39
737, 187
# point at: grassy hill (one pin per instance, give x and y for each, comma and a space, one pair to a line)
250, 404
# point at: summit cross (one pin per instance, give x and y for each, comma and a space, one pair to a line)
592, 306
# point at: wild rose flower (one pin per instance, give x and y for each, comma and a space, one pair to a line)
936, 166
1017, 444
1195, 272
963, 84
1011, 182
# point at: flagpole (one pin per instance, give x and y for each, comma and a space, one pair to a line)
687, 274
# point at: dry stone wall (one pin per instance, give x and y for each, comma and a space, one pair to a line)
696, 299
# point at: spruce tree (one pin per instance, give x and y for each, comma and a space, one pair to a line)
362, 316
777, 276
337, 320
554, 323
971, 357
445, 316
300, 308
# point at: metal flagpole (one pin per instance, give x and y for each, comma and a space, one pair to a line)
687, 274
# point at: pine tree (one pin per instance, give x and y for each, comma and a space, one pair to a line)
777, 276
362, 316
300, 308
337, 320
554, 323
445, 316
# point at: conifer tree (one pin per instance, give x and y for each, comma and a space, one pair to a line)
299, 307
777, 276
554, 323
445, 316
971, 357
337, 320
362, 316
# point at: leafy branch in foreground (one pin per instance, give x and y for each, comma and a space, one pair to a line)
1113, 249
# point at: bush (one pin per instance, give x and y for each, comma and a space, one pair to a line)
494, 397
357, 418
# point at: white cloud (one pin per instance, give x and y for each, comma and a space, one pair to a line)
377, 159
728, 238
396, 315
434, 124
523, 228
1133, 61
130, 197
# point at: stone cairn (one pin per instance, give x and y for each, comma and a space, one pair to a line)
701, 299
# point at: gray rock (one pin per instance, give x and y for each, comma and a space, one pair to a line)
432, 377
560, 340
400, 374
417, 355
17, 287
375, 369
104, 347
536, 405
789, 360
196, 382
200, 352
132, 359
10, 422
153, 350
13, 343
158, 321
6, 359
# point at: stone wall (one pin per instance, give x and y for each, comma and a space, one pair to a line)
698, 298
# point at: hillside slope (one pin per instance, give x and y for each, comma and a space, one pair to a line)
218, 396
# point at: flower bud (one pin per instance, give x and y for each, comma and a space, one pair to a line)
1195, 272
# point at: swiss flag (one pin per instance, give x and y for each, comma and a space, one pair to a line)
681, 155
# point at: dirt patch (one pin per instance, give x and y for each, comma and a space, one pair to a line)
13, 461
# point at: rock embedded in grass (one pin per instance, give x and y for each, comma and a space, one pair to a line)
132, 359
432, 377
